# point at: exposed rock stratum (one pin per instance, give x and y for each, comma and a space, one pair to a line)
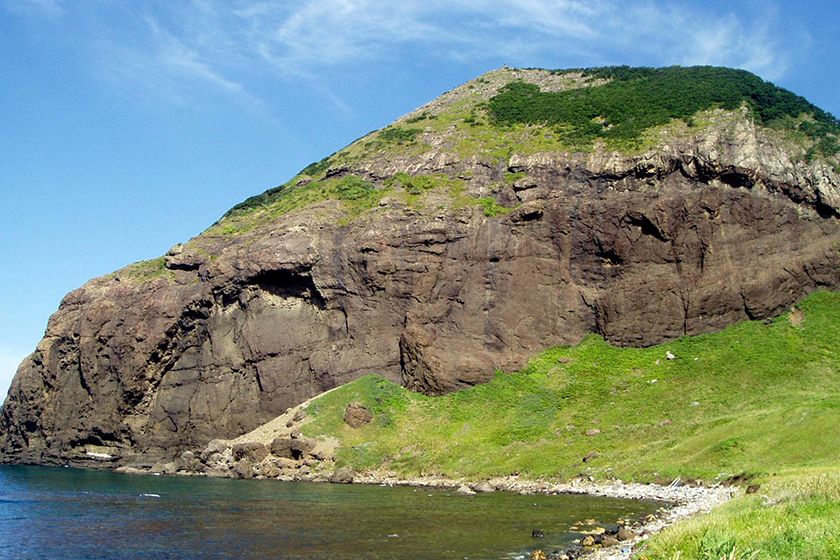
451, 259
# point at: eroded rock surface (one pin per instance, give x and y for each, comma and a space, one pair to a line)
687, 238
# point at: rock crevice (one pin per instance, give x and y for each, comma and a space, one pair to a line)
687, 238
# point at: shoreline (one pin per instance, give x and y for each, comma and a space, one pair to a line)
682, 501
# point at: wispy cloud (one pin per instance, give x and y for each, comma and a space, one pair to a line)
671, 34
313, 35
228, 46
174, 55
177, 62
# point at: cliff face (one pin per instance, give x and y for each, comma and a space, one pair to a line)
431, 266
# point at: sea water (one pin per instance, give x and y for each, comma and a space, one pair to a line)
62, 513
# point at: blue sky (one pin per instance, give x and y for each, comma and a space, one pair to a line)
126, 127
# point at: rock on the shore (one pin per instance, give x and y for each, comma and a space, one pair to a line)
624, 534
253, 451
465, 490
484, 487
282, 447
609, 540
342, 475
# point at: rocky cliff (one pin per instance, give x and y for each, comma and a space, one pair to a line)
433, 252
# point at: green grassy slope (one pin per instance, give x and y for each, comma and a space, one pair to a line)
759, 400
635, 99
752, 398
622, 107
794, 515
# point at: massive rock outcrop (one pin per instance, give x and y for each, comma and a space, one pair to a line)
497, 258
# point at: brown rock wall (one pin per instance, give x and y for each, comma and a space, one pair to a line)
653, 250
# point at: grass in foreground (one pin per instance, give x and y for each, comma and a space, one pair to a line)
795, 515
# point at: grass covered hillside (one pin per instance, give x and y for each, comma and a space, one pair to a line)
509, 111
632, 100
749, 399
760, 402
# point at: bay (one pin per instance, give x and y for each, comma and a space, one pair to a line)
63, 513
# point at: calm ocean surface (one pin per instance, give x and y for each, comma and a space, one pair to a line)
56, 513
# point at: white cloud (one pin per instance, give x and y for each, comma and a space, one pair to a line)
323, 33
176, 57
181, 64
183, 49
694, 37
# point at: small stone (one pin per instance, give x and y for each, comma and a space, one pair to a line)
537, 534
216, 473
244, 469
609, 541
669, 355
254, 451
465, 490
323, 452
282, 447
624, 534
215, 446
130, 470
343, 475
589, 540
589, 456
302, 447
484, 487
753, 488
593, 432
268, 469
538, 555
356, 415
